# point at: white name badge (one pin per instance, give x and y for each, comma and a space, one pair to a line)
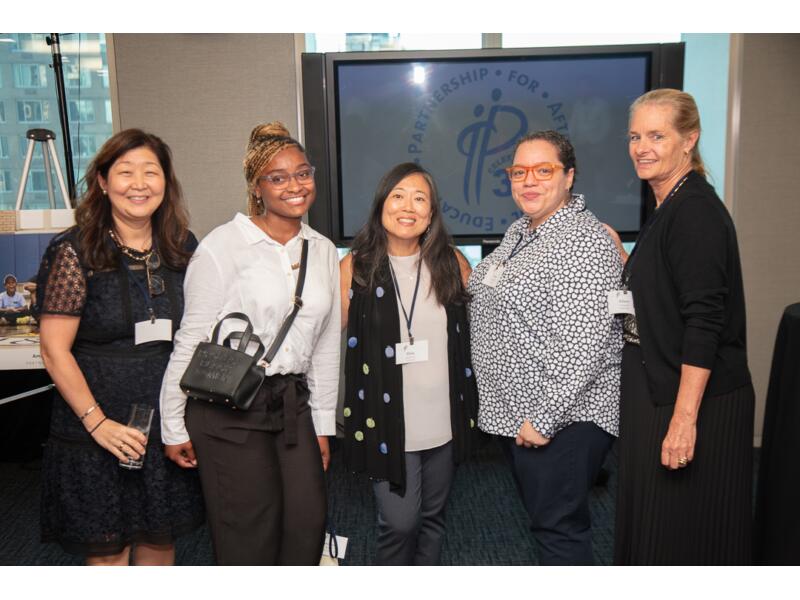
620, 302
159, 330
406, 352
493, 275
340, 548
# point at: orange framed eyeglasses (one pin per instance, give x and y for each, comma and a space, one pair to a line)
541, 171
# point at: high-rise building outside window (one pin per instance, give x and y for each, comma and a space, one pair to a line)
30, 76
28, 100
81, 110
33, 111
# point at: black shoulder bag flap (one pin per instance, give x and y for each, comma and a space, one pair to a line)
228, 376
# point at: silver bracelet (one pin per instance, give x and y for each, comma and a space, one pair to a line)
88, 412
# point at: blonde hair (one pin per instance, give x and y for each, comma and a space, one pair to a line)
686, 117
266, 140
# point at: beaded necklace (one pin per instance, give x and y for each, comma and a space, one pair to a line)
133, 254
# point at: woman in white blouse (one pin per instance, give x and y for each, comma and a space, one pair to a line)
262, 470
546, 348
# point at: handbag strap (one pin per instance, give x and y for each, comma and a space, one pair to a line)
234, 315
238, 335
244, 337
297, 302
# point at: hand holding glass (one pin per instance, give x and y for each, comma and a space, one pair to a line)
140, 418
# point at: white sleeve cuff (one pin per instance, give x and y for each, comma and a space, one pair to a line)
324, 421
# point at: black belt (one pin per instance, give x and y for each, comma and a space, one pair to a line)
283, 403
280, 398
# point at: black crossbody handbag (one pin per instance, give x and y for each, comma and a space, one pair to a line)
228, 376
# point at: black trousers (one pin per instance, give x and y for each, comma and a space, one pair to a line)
554, 482
265, 499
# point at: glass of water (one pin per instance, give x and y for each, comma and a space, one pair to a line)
140, 418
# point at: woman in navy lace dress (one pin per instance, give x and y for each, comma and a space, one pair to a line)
110, 297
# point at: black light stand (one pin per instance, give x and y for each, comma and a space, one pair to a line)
55, 47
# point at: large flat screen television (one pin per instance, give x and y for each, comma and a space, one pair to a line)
460, 113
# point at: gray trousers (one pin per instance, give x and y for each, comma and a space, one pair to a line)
411, 527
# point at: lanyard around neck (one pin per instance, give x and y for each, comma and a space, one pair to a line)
148, 300
646, 229
408, 316
519, 246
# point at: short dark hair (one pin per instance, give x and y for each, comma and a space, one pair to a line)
8, 278
566, 152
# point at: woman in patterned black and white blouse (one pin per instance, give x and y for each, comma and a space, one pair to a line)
545, 348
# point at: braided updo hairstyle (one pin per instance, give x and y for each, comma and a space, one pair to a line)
266, 140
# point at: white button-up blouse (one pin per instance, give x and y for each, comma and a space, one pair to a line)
239, 268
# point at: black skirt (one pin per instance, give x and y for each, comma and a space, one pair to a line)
698, 515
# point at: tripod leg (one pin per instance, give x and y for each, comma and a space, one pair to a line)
60, 176
26, 168
49, 176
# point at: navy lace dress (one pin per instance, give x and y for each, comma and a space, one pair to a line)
89, 504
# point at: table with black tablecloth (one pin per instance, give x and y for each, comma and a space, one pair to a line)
777, 517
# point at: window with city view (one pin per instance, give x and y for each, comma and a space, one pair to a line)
28, 100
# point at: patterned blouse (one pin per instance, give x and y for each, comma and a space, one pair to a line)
544, 345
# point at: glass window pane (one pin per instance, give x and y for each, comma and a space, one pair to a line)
77, 78
33, 103
30, 76
5, 185
33, 111
37, 181
83, 146
81, 110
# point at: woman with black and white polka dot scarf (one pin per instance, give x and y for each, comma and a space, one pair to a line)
410, 406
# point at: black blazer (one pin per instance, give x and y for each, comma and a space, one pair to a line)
686, 279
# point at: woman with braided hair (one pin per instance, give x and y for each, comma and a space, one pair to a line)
262, 470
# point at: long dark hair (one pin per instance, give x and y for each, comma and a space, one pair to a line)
93, 215
369, 246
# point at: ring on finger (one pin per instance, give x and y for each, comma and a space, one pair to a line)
683, 461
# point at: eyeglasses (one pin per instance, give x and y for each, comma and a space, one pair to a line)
541, 171
155, 283
279, 181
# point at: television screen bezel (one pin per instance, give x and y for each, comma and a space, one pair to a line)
665, 64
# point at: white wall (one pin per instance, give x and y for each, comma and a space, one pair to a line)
762, 181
